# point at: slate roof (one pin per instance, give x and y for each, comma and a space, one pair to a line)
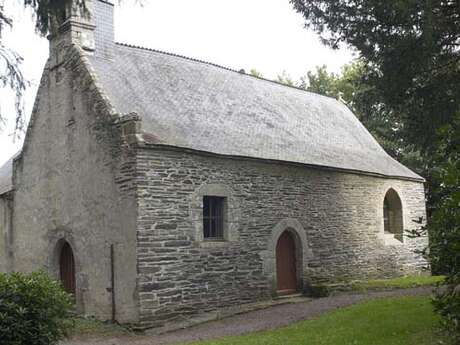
6, 175
196, 105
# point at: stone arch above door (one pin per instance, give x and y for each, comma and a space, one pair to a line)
57, 239
67, 272
302, 246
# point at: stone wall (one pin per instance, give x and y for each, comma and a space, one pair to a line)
338, 219
73, 183
3, 234
5, 231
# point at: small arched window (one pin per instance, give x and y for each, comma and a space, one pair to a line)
393, 215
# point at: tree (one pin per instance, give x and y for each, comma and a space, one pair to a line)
286, 79
445, 226
323, 82
255, 73
411, 50
11, 76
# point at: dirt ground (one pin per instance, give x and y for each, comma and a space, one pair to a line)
265, 319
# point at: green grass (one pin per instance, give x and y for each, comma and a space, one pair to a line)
394, 321
89, 326
397, 283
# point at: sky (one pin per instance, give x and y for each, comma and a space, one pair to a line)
267, 35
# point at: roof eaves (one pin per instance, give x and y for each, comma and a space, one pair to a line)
5, 193
277, 161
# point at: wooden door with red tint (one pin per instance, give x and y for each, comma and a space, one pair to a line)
286, 272
67, 268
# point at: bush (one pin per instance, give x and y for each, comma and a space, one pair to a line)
447, 304
444, 228
34, 309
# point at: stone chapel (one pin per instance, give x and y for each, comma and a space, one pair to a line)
157, 187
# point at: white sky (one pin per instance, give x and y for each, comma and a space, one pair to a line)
264, 34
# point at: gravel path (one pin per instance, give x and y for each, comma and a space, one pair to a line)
264, 319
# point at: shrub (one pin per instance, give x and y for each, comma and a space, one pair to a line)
444, 227
33, 309
447, 304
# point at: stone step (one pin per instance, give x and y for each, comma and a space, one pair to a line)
290, 296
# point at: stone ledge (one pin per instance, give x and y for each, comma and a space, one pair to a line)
223, 313
214, 243
352, 287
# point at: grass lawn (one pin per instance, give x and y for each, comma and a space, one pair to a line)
397, 283
88, 327
394, 321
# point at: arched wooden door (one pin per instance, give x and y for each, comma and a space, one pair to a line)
67, 268
286, 271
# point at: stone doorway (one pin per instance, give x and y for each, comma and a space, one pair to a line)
67, 268
286, 264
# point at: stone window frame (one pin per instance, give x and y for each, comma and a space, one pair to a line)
392, 239
232, 214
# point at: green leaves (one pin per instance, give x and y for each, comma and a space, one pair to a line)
410, 50
49, 11
445, 225
33, 309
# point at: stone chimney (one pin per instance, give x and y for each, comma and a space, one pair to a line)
92, 30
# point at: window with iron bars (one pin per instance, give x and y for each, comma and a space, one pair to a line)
213, 217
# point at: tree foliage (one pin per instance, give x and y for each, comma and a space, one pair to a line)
10, 62
410, 46
445, 226
11, 77
411, 51
47, 10
254, 72
286, 79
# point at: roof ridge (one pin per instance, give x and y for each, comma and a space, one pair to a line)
108, 2
220, 66
177, 55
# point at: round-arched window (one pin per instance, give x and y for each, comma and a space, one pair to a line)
393, 215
